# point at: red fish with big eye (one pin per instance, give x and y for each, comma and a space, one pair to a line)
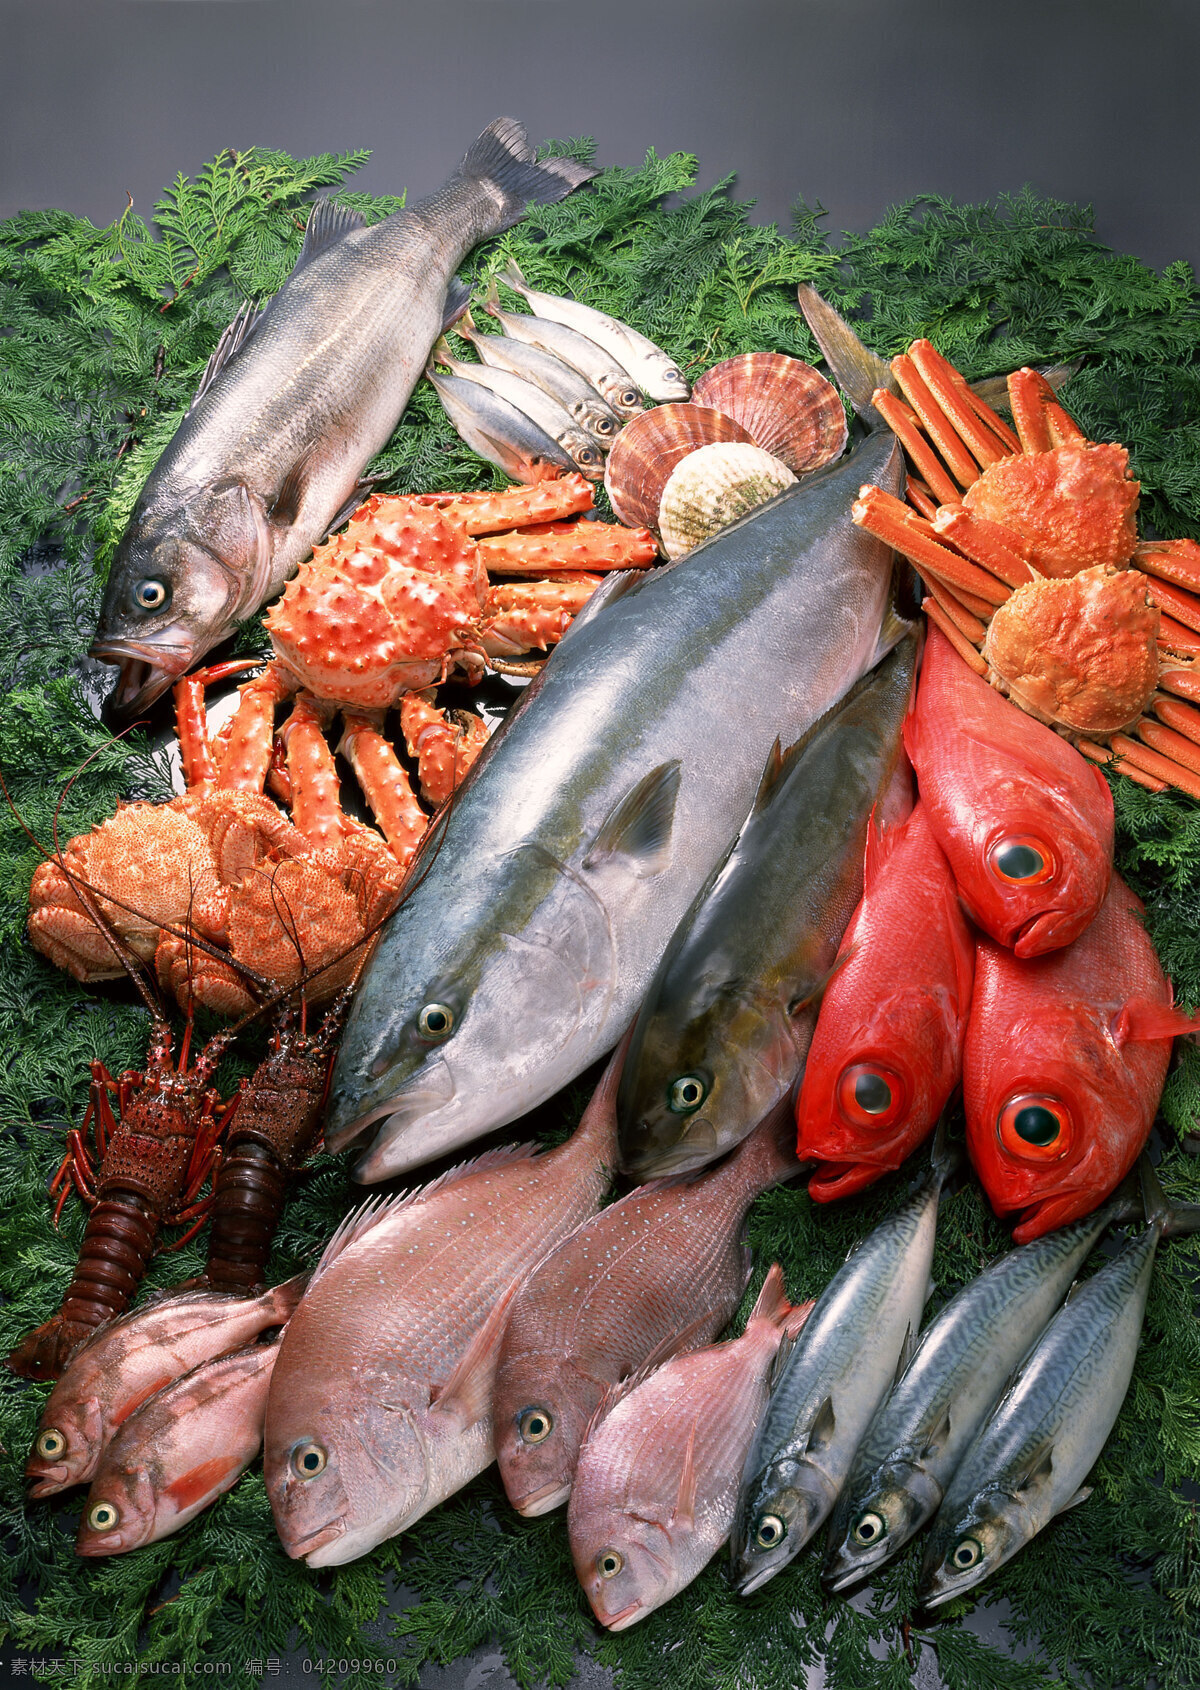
887, 1051
1064, 1066
1025, 822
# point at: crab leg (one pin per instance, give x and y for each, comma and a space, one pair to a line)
385, 785
1185, 683
888, 519
1155, 763
524, 614
984, 542
1184, 718
902, 421
1171, 560
938, 426
920, 496
968, 625
1177, 746
1040, 420
246, 755
1184, 607
444, 750
1101, 754
965, 412
514, 507
191, 723
568, 545
961, 644
1174, 637
316, 800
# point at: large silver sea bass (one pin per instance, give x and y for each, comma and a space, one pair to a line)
544, 902
293, 406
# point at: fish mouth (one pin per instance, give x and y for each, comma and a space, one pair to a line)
756, 1579
845, 1573
48, 1482
145, 670
832, 1180
312, 1543
1043, 932
431, 1089
620, 1621
544, 1501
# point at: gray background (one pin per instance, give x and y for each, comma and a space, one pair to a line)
856, 103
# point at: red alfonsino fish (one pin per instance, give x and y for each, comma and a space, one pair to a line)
887, 1051
1026, 823
1064, 1066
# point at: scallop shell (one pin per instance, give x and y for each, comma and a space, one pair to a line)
786, 406
647, 450
712, 487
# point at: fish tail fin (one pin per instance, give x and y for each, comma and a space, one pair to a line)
773, 1306
491, 299
857, 370
1174, 1219
503, 159
442, 353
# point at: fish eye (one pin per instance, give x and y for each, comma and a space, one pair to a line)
51, 1444
588, 455
604, 425
869, 1529
672, 374
1036, 1127
609, 1563
436, 1021
770, 1531
631, 397
309, 1460
686, 1093
965, 1555
103, 1517
150, 594
535, 1425
1021, 860
869, 1094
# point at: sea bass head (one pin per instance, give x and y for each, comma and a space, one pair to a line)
190, 559
900, 1498
1025, 822
1064, 1065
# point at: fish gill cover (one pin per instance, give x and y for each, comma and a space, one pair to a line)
107, 331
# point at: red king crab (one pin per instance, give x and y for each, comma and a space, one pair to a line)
1028, 546
375, 619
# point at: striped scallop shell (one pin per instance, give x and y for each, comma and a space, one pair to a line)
647, 450
785, 406
714, 486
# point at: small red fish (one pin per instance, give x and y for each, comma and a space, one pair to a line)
1025, 821
887, 1051
1064, 1066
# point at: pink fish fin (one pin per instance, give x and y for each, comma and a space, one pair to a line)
911, 734
132, 1404
794, 1319
684, 1515
772, 1301
208, 1478
467, 1393
671, 1345
1142, 1019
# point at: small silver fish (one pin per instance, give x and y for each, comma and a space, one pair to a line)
655, 372
499, 432
572, 390
535, 403
610, 379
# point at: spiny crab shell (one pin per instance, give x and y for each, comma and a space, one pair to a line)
1081, 650
383, 608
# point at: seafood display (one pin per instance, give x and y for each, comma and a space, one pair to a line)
657, 1478
380, 1404
887, 1050
530, 398
550, 886
861, 1330
725, 1025
660, 1271
278, 436
574, 392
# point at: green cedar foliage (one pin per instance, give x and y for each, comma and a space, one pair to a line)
107, 331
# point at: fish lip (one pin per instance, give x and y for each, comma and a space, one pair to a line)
107, 1545
146, 669
431, 1088
844, 1574
543, 1501
756, 1579
303, 1548
1026, 939
626, 1617
49, 1482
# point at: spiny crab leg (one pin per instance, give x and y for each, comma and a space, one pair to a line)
312, 775
199, 764
443, 749
514, 507
521, 615
568, 546
385, 784
246, 754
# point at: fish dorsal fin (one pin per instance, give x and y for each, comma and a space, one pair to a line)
936, 1437
231, 341
1141, 1020
684, 1515
327, 223
458, 301
1081, 1495
612, 1395
770, 777
467, 1393
638, 828
616, 585
824, 1425
787, 1344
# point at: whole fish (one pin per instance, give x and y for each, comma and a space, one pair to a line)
887, 1051
611, 380
657, 1478
962, 1364
1026, 823
381, 1403
535, 403
1030, 1459
858, 1335
661, 1270
655, 372
723, 1032
559, 380
1064, 1065
294, 404
606, 800
128, 1359
182, 1450
493, 427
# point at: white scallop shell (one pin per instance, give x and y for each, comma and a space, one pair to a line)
712, 487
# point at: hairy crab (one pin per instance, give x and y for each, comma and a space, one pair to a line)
1028, 545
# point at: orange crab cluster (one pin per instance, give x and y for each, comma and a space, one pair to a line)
1027, 543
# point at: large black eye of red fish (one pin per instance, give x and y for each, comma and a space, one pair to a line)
1035, 1127
1021, 860
870, 1095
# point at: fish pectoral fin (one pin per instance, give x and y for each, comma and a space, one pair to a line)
812, 998
616, 585
770, 777
1141, 1020
906, 1353
1081, 1495
362, 489
684, 1514
327, 223
458, 301
638, 828
198, 1482
290, 497
231, 341
1037, 1469
820, 1433
467, 1393
936, 1437
892, 630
